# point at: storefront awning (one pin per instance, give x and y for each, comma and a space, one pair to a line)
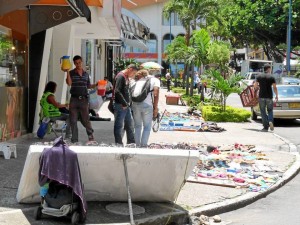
134, 31
134, 41
9, 6
81, 8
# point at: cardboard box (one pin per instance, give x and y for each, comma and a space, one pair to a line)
172, 99
249, 97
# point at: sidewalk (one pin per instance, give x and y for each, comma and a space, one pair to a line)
193, 198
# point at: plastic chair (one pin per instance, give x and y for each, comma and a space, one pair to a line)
53, 125
8, 149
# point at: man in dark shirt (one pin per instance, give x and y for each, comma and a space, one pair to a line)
79, 80
122, 98
265, 82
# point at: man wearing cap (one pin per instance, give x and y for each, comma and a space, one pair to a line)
122, 110
265, 82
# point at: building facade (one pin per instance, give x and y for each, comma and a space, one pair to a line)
34, 35
162, 32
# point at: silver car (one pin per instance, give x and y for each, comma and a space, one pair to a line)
290, 80
288, 105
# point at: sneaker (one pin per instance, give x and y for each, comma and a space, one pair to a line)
92, 143
91, 138
271, 126
264, 130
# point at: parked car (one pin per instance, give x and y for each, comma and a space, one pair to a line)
249, 79
288, 105
289, 80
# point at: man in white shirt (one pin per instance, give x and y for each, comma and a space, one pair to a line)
145, 111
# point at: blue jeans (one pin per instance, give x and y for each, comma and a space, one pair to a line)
142, 115
266, 105
123, 120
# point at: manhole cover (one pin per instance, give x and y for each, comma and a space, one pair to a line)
122, 209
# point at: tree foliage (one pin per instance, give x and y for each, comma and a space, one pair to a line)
200, 45
219, 53
260, 22
177, 50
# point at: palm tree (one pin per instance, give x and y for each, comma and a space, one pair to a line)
190, 12
222, 87
198, 52
177, 51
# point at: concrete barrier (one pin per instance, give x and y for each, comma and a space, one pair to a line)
154, 174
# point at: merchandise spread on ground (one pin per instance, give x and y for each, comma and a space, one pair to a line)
187, 122
237, 166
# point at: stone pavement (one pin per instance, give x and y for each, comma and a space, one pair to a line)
193, 198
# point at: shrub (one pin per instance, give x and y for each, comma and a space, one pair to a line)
215, 113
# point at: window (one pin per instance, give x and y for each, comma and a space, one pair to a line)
152, 43
137, 50
175, 20
166, 40
166, 22
127, 48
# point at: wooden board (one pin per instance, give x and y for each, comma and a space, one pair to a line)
212, 181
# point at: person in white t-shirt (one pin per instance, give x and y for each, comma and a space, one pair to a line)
145, 111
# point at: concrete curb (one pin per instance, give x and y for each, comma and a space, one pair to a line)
250, 197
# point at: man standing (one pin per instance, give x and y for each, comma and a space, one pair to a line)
168, 78
122, 98
79, 80
265, 82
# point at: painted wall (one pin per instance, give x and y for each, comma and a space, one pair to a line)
155, 24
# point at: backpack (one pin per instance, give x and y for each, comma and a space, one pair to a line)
140, 95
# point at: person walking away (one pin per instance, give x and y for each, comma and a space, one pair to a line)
265, 82
53, 109
146, 110
79, 80
122, 99
168, 78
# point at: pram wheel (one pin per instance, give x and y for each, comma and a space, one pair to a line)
75, 218
37, 213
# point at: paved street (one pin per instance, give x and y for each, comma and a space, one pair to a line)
278, 208
288, 129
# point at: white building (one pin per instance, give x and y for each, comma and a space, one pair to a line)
162, 30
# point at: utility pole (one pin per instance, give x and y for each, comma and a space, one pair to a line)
288, 54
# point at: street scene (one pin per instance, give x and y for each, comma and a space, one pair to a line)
155, 112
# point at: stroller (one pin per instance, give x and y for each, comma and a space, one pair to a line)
61, 186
